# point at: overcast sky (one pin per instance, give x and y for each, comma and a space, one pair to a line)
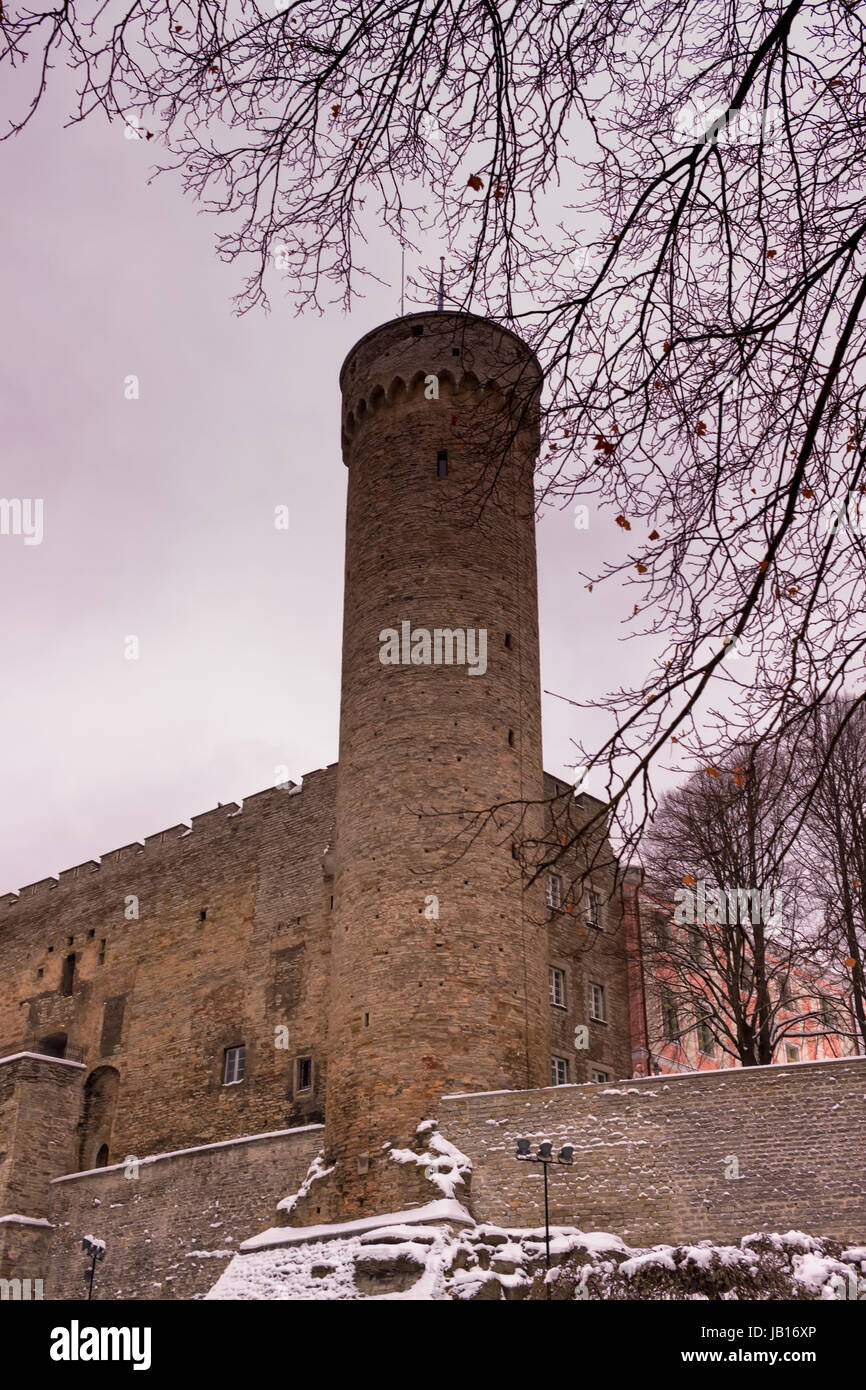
158, 517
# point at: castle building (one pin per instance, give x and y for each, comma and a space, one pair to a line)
409, 922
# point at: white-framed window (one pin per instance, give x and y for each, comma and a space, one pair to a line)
553, 891
557, 986
304, 1074
235, 1065
597, 1003
559, 1071
599, 1077
792, 1053
592, 908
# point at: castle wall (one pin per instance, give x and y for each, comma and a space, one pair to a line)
231, 941
39, 1106
654, 1157
172, 1229
586, 955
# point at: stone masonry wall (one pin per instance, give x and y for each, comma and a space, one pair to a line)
171, 1231
231, 941
655, 1157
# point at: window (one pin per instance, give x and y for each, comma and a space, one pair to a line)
786, 997
67, 978
706, 1040
670, 1016
235, 1065
592, 909
663, 933
442, 464
559, 1071
511, 738
304, 1072
597, 1009
792, 1053
508, 640
417, 330
553, 889
599, 1077
102, 945
102, 1157
557, 987
697, 946
827, 1012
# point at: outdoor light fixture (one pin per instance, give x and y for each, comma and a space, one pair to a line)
96, 1250
545, 1157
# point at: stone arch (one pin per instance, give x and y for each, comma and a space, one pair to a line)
100, 1102
397, 390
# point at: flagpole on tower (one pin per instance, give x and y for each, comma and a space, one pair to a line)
441, 283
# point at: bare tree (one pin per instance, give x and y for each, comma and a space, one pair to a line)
833, 839
697, 303
730, 950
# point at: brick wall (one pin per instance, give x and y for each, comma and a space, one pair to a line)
160, 1226
655, 1156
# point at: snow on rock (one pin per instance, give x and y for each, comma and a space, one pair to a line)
444, 1165
415, 1256
315, 1172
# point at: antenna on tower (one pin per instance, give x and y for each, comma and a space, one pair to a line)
441, 283
402, 277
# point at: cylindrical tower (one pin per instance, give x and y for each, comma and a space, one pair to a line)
439, 972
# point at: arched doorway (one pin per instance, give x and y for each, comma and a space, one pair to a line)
100, 1103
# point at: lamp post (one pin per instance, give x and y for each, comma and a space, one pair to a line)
96, 1250
545, 1157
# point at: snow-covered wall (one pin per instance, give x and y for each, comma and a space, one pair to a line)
172, 1222
711, 1155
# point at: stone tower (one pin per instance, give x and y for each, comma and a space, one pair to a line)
438, 975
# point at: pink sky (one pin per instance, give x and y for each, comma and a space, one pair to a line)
158, 517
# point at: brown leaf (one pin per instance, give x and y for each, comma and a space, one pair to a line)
850, 962
653, 535
666, 347
770, 255
713, 771
474, 182
807, 492
688, 881
702, 428
641, 569
621, 521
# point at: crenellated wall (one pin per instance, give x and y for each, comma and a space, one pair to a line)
231, 941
